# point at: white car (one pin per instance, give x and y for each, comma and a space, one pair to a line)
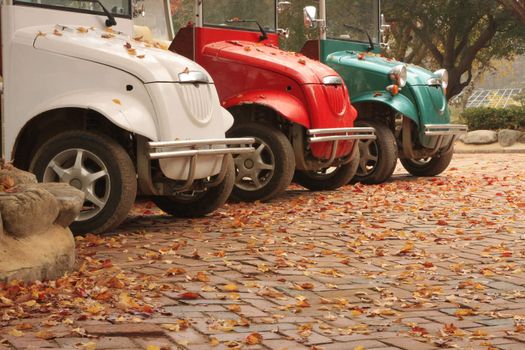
85, 104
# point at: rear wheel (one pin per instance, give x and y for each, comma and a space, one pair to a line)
329, 178
96, 165
430, 166
378, 157
199, 203
267, 172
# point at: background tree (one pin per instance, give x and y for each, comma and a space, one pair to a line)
517, 7
463, 36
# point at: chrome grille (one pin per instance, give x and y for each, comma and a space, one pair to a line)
197, 100
336, 98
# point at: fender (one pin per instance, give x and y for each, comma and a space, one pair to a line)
288, 106
123, 110
399, 103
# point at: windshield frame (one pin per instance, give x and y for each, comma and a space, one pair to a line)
231, 27
77, 10
378, 33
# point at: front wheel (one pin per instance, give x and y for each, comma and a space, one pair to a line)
196, 204
267, 172
378, 158
328, 179
430, 166
96, 165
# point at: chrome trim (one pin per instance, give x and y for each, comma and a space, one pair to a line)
172, 149
445, 129
332, 80
193, 77
434, 82
339, 134
1, 87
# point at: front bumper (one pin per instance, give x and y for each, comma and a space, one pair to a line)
337, 135
195, 148
183, 158
445, 129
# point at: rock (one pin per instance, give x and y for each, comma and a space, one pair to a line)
70, 201
45, 256
9, 172
28, 211
479, 137
508, 137
522, 138
35, 241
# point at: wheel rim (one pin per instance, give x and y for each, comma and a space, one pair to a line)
422, 161
84, 171
369, 155
323, 174
255, 170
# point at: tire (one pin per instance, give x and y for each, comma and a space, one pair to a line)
328, 181
109, 196
378, 158
272, 164
193, 205
428, 167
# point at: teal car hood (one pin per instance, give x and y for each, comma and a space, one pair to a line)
381, 65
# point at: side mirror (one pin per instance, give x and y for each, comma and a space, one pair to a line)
137, 7
284, 33
283, 5
385, 28
310, 17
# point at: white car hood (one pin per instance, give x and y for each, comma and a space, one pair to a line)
140, 59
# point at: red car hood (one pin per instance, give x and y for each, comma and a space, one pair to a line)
298, 67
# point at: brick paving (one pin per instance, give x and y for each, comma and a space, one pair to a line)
414, 264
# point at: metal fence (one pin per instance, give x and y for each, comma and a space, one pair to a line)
496, 98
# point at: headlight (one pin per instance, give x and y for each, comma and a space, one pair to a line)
442, 74
332, 80
193, 77
398, 74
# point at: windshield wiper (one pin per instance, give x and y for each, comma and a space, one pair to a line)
263, 36
370, 41
110, 22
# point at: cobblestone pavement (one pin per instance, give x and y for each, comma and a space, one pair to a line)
411, 264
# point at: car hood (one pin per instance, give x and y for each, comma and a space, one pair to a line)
294, 65
375, 63
149, 64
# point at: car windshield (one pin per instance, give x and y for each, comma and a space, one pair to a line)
119, 8
349, 19
240, 14
156, 18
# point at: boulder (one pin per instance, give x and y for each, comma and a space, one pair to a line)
27, 211
508, 137
522, 138
70, 201
35, 241
479, 137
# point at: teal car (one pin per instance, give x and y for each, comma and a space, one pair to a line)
406, 104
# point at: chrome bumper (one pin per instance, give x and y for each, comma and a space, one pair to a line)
176, 149
445, 129
186, 149
339, 134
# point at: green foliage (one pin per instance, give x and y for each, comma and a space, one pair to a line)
494, 118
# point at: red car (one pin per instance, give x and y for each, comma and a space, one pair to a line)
297, 109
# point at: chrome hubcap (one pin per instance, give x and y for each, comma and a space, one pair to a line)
84, 171
255, 170
422, 161
369, 155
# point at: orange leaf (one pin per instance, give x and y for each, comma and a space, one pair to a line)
253, 339
189, 296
